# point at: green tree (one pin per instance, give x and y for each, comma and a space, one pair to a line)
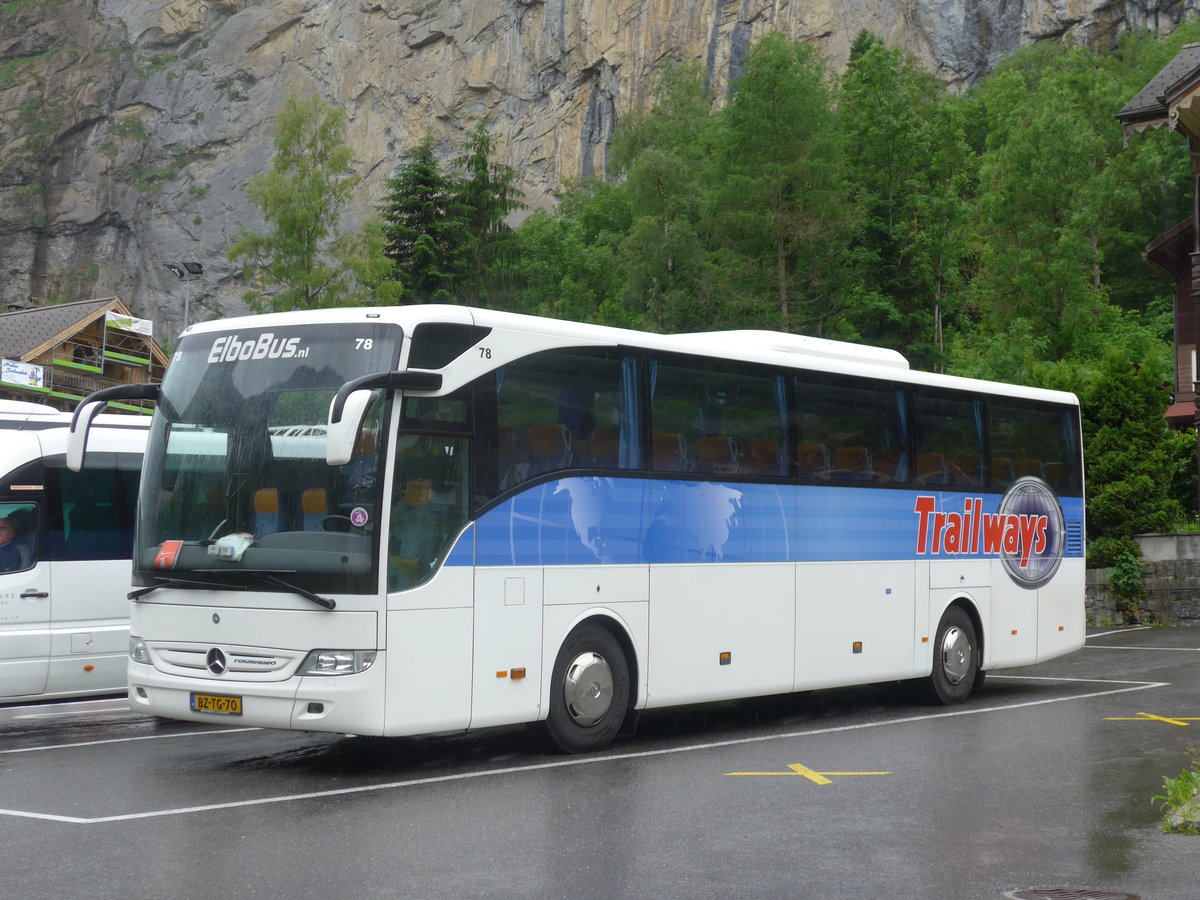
1130, 452
302, 261
909, 172
565, 262
427, 228
487, 193
664, 156
778, 207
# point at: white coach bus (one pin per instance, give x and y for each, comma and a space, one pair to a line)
423, 519
65, 545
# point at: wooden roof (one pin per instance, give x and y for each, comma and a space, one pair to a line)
26, 333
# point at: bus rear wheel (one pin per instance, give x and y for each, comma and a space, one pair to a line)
589, 691
955, 659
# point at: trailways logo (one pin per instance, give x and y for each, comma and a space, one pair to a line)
1027, 531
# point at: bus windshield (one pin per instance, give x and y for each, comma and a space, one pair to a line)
237, 489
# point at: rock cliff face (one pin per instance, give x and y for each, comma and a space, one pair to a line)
129, 128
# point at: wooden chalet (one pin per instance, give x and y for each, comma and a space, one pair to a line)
59, 354
1172, 100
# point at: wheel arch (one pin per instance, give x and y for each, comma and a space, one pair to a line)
621, 632
968, 604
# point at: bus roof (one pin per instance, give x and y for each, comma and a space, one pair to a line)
768, 347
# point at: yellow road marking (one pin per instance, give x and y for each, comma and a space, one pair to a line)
1150, 717
804, 771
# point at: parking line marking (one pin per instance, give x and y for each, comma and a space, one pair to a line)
143, 737
1117, 647
804, 771
1088, 637
567, 763
1150, 717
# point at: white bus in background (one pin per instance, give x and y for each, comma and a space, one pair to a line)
65, 575
407, 520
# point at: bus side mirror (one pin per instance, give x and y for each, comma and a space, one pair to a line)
349, 406
77, 437
90, 407
342, 435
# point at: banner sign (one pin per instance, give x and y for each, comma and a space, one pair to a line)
24, 374
129, 323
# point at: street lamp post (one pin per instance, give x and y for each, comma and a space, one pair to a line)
187, 273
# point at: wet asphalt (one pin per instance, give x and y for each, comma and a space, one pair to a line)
1043, 780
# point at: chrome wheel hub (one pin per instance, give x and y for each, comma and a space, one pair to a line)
956, 654
588, 688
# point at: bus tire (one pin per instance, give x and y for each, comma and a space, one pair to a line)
955, 659
589, 690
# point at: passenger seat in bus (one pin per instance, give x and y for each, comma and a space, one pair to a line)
718, 455
853, 464
550, 448
267, 518
762, 457
812, 461
891, 465
314, 507
604, 448
670, 452
932, 469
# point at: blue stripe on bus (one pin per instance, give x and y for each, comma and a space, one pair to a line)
590, 520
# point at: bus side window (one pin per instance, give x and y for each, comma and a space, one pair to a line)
716, 418
849, 431
948, 439
559, 410
18, 536
1033, 440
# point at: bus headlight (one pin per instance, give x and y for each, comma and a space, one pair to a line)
337, 662
137, 651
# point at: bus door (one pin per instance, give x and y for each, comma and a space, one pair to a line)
92, 512
24, 602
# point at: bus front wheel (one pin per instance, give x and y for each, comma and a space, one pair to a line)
955, 659
589, 690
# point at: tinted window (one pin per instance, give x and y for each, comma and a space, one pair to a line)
947, 440
849, 430
563, 409
715, 418
97, 507
1030, 439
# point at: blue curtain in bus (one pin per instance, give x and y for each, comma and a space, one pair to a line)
630, 455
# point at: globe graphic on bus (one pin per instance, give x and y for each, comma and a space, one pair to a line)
1030, 496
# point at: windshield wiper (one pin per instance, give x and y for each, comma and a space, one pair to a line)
296, 589
181, 583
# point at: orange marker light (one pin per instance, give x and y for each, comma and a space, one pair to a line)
518, 673
502, 674
925, 640
726, 658
1014, 631
88, 668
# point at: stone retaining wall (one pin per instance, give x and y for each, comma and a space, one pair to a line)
1171, 563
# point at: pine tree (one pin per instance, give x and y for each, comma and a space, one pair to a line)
427, 228
487, 193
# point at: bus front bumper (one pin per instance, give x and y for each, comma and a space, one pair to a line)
348, 704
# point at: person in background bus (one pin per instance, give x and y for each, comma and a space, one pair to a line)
14, 554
